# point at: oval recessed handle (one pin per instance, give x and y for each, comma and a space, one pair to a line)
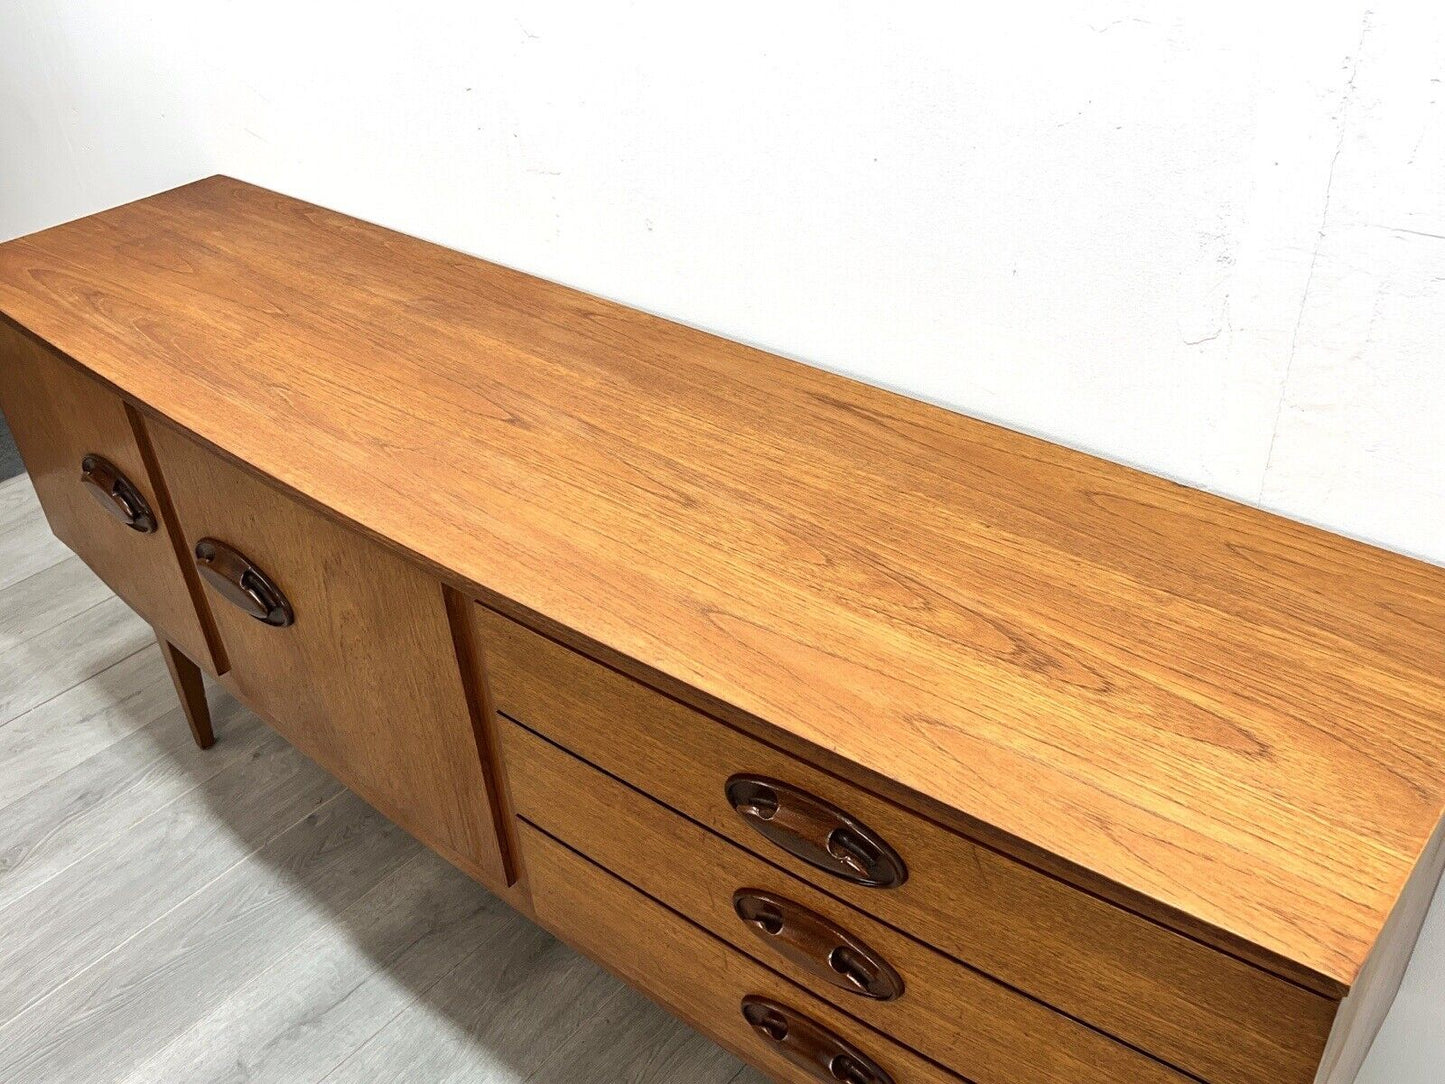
809, 1045
815, 831
817, 945
115, 493
241, 583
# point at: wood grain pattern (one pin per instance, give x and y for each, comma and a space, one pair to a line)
108, 791
1223, 719
980, 1029
690, 972
59, 416
631, 1039
67, 654
82, 722
516, 992
47, 597
93, 906
1190, 1005
101, 1023
333, 990
366, 681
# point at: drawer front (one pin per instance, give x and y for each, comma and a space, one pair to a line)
115, 520
701, 979
1184, 1003
364, 678
947, 1012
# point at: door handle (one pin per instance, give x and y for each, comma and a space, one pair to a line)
237, 580
115, 493
817, 945
819, 833
809, 1045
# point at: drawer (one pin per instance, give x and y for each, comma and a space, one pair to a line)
1195, 1008
704, 981
350, 656
947, 1012
112, 516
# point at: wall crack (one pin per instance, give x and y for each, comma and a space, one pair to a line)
1347, 97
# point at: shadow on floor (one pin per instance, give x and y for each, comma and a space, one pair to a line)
267, 921
10, 464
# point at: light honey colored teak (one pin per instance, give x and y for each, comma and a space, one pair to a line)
1155, 778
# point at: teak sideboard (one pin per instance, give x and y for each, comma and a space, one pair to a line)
876, 742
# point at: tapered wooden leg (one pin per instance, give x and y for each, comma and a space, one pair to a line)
186, 676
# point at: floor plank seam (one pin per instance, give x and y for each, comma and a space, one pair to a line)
412, 1001
105, 669
84, 969
81, 681
65, 555
597, 1013
417, 996
276, 964
96, 750
173, 716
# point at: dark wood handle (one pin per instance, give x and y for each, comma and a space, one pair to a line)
817, 945
114, 492
809, 1045
241, 583
820, 834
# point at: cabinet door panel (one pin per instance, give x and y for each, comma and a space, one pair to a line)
365, 677
62, 418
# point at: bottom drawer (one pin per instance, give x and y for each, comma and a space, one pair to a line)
786, 1032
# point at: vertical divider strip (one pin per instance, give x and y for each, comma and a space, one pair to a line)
178, 540
472, 664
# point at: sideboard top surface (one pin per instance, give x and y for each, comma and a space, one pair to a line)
1228, 720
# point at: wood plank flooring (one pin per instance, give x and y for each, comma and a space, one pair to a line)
168, 914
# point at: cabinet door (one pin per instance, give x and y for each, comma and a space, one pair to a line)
364, 678
85, 461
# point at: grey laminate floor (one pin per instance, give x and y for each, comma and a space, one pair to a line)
173, 915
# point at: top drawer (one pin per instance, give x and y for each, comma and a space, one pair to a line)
111, 515
1196, 1008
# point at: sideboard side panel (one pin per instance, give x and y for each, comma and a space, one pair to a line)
1363, 1012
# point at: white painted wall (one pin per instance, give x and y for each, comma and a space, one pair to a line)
1208, 240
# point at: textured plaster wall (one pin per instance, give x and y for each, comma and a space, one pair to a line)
1208, 240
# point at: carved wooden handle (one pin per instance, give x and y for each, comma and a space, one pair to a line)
241, 583
820, 834
809, 1045
817, 945
114, 492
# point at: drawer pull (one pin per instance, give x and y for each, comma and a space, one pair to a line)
241, 583
817, 945
809, 1045
114, 492
820, 834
